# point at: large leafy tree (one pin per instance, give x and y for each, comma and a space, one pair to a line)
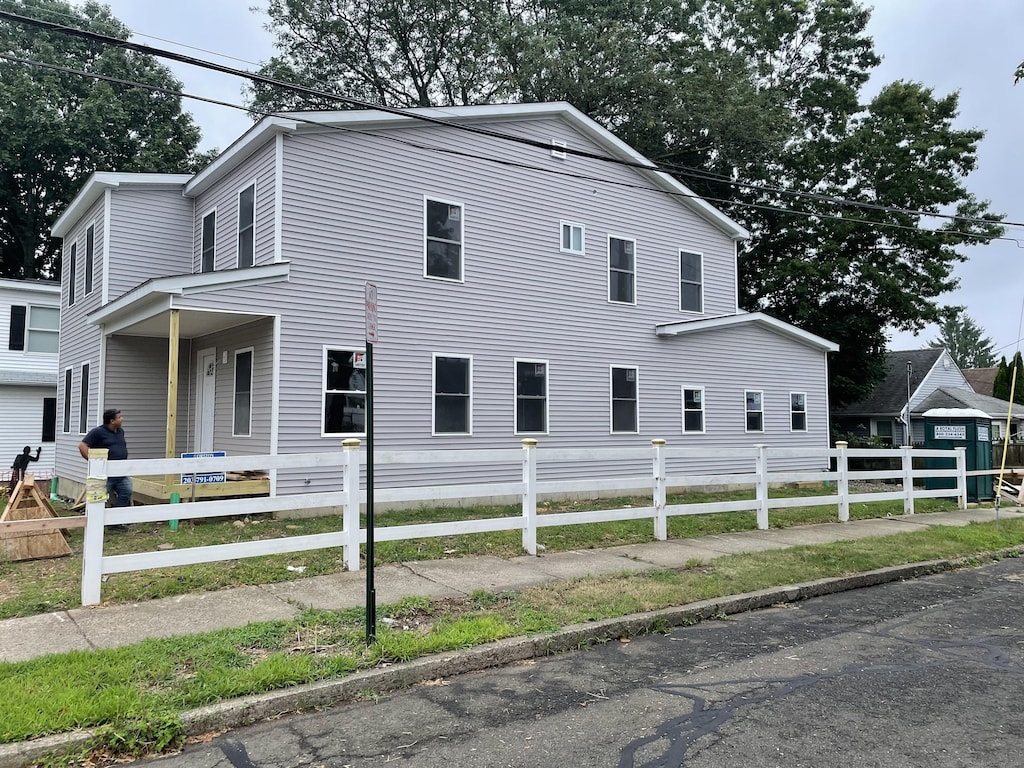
965, 341
753, 103
58, 127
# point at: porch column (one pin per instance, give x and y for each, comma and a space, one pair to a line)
172, 382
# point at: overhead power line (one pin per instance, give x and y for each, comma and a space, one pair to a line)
660, 168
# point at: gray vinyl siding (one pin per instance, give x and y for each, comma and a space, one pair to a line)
150, 239
223, 196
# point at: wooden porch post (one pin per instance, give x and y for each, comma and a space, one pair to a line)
172, 385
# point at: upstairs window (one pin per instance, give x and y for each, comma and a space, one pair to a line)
452, 396
209, 241
34, 329
443, 240
621, 270
531, 397
72, 273
247, 226
572, 238
83, 401
755, 410
90, 245
624, 400
798, 411
344, 392
693, 409
691, 282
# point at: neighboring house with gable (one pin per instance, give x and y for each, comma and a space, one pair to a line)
523, 291
882, 414
30, 322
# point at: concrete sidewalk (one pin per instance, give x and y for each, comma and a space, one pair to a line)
115, 625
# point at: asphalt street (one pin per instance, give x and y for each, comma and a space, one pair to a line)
928, 672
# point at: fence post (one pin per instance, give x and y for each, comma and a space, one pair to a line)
761, 469
908, 479
961, 476
530, 495
350, 513
95, 512
660, 493
843, 481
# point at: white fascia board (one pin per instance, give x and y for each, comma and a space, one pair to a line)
101, 181
602, 137
45, 287
154, 296
239, 150
756, 318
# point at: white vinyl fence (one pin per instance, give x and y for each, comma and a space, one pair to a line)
349, 461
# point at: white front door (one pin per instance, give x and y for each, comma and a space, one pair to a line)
206, 397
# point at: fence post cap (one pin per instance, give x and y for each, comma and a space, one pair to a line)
842, 444
529, 442
658, 442
350, 442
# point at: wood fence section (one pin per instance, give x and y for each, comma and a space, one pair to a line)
751, 468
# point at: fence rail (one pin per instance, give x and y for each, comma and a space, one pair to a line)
349, 462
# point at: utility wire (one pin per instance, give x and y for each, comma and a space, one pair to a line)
647, 166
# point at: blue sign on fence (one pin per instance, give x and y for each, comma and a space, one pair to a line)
201, 478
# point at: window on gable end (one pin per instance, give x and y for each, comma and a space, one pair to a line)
573, 238
693, 409
453, 410
625, 400
691, 282
531, 397
754, 410
72, 273
621, 270
247, 226
798, 411
209, 242
443, 228
90, 247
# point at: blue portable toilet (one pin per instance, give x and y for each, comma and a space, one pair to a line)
969, 428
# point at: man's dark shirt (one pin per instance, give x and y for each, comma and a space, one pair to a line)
103, 437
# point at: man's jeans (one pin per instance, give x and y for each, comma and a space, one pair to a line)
122, 488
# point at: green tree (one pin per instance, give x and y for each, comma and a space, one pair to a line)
761, 92
56, 127
1017, 374
963, 339
1001, 384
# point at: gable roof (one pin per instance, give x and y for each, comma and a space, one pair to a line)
367, 119
97, 185
745, 318
951, 397
982, 380
890, 395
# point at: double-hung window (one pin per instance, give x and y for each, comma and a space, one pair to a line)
442, 240
83, 401
344, 392
242, 400
208, 243
247, 226
452, 395
621, 270
572, 238
693, 409
531, 397
43, 331
72, 273
691, 282
90, 248
67, 401
755, 410
624, 400
798, 411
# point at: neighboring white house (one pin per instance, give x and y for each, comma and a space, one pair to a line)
30, 322
523, 291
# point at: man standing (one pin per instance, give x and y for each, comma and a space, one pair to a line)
109, 435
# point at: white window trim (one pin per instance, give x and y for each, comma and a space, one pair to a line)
234, 388
238, 223
83, 407
611, 400
561, 237
462, 240
558, 148
791, 412
683, 411
30, 329
68, 410
433, 394
746, 411
323, 387
202, 227
608, 271
89, 266
73, 260
700, 256
515, 394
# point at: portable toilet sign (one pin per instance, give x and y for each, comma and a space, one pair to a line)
967, 428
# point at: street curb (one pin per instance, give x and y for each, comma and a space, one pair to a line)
247, 710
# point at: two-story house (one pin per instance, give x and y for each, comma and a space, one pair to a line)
523, 291
30, 322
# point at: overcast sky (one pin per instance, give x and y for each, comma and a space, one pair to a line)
970, 46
